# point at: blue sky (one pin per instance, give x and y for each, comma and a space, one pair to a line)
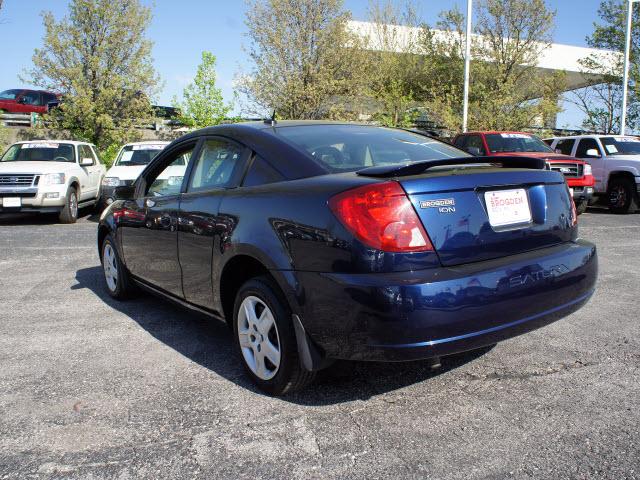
182, 29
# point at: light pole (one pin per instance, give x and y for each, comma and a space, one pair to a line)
467, 58
625, 75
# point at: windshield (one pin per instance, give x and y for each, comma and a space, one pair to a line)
515, 142
621, 145
138, 154
347, 148
9, 94
39, 152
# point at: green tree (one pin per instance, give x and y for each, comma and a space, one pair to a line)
506, 91
100, 60
601, 103
305, 60
203, 104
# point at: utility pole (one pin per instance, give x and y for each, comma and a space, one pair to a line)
467, 60
625, 76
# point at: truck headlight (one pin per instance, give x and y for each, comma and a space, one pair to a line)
111, 182
587, 170
53, 179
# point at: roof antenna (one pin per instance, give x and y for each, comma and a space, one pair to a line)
271, 121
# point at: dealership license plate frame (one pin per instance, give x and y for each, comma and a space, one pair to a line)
510, 214
11, 202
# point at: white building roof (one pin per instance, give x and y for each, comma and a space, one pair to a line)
557, 57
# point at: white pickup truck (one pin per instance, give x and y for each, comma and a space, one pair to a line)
50, 176
615, 161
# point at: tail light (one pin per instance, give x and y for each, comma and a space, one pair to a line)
574, 212
382, 217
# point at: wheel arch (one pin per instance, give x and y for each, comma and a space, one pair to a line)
615, 174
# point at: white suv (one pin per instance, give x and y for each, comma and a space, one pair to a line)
129, 164
48, 176
615, 161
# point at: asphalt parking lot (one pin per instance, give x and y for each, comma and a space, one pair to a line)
93, 388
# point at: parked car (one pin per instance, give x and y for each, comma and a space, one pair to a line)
615, 160
576, 172
50, 176
26, 101
322, 241
129, 163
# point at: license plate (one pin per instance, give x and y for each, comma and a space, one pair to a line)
11, 202
507, 207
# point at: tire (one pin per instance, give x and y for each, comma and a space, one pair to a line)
259, 302
116, 276
581, 207
622, 195
69, 213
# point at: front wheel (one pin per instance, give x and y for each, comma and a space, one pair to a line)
266, 339
622, 196
116, 275
581, 207
69, 213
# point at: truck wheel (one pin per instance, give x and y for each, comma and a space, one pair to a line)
266, 339
69, 213
116, 276
622, 196
581, 207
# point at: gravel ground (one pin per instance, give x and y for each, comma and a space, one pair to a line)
95, 389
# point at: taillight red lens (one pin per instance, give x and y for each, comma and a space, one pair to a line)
382, 217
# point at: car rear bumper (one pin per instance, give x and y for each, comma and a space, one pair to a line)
435, 312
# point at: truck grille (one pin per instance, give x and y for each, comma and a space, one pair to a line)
18, 180
571, 170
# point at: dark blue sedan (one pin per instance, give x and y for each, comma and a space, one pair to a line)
324, 241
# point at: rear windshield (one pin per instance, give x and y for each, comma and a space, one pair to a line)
9, 94
138, 154
515, 142
621, 145
347, 148
40, 152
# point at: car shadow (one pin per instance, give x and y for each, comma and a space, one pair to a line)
209, 343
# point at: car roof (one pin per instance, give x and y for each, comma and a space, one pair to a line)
73, 142
490, 132
589, 135
148, 142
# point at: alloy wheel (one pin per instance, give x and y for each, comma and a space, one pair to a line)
110, 266
259, 338
73, 205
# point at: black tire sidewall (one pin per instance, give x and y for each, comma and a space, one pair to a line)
266, 291
630, 196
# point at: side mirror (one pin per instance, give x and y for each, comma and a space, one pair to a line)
126, 192
86, 162
593, 152
475, 151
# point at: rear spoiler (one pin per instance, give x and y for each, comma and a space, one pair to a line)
417, 168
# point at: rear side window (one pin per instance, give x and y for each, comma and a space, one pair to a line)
564, 146
584, 145
460, 141
215, 166
347, 148
261, 173
475, 142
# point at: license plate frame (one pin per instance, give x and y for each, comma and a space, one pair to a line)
11, 202
508, 208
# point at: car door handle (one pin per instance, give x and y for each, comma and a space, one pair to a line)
150, 203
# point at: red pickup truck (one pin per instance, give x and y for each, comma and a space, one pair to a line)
21, 100
576, 172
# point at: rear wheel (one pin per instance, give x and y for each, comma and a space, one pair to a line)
581, 207
69, 213
622, 195
116, 275
266, 339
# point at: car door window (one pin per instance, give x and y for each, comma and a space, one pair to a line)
85, 152
586, 144
167, 178
475, 143
31, 98
564, 146
215, 165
